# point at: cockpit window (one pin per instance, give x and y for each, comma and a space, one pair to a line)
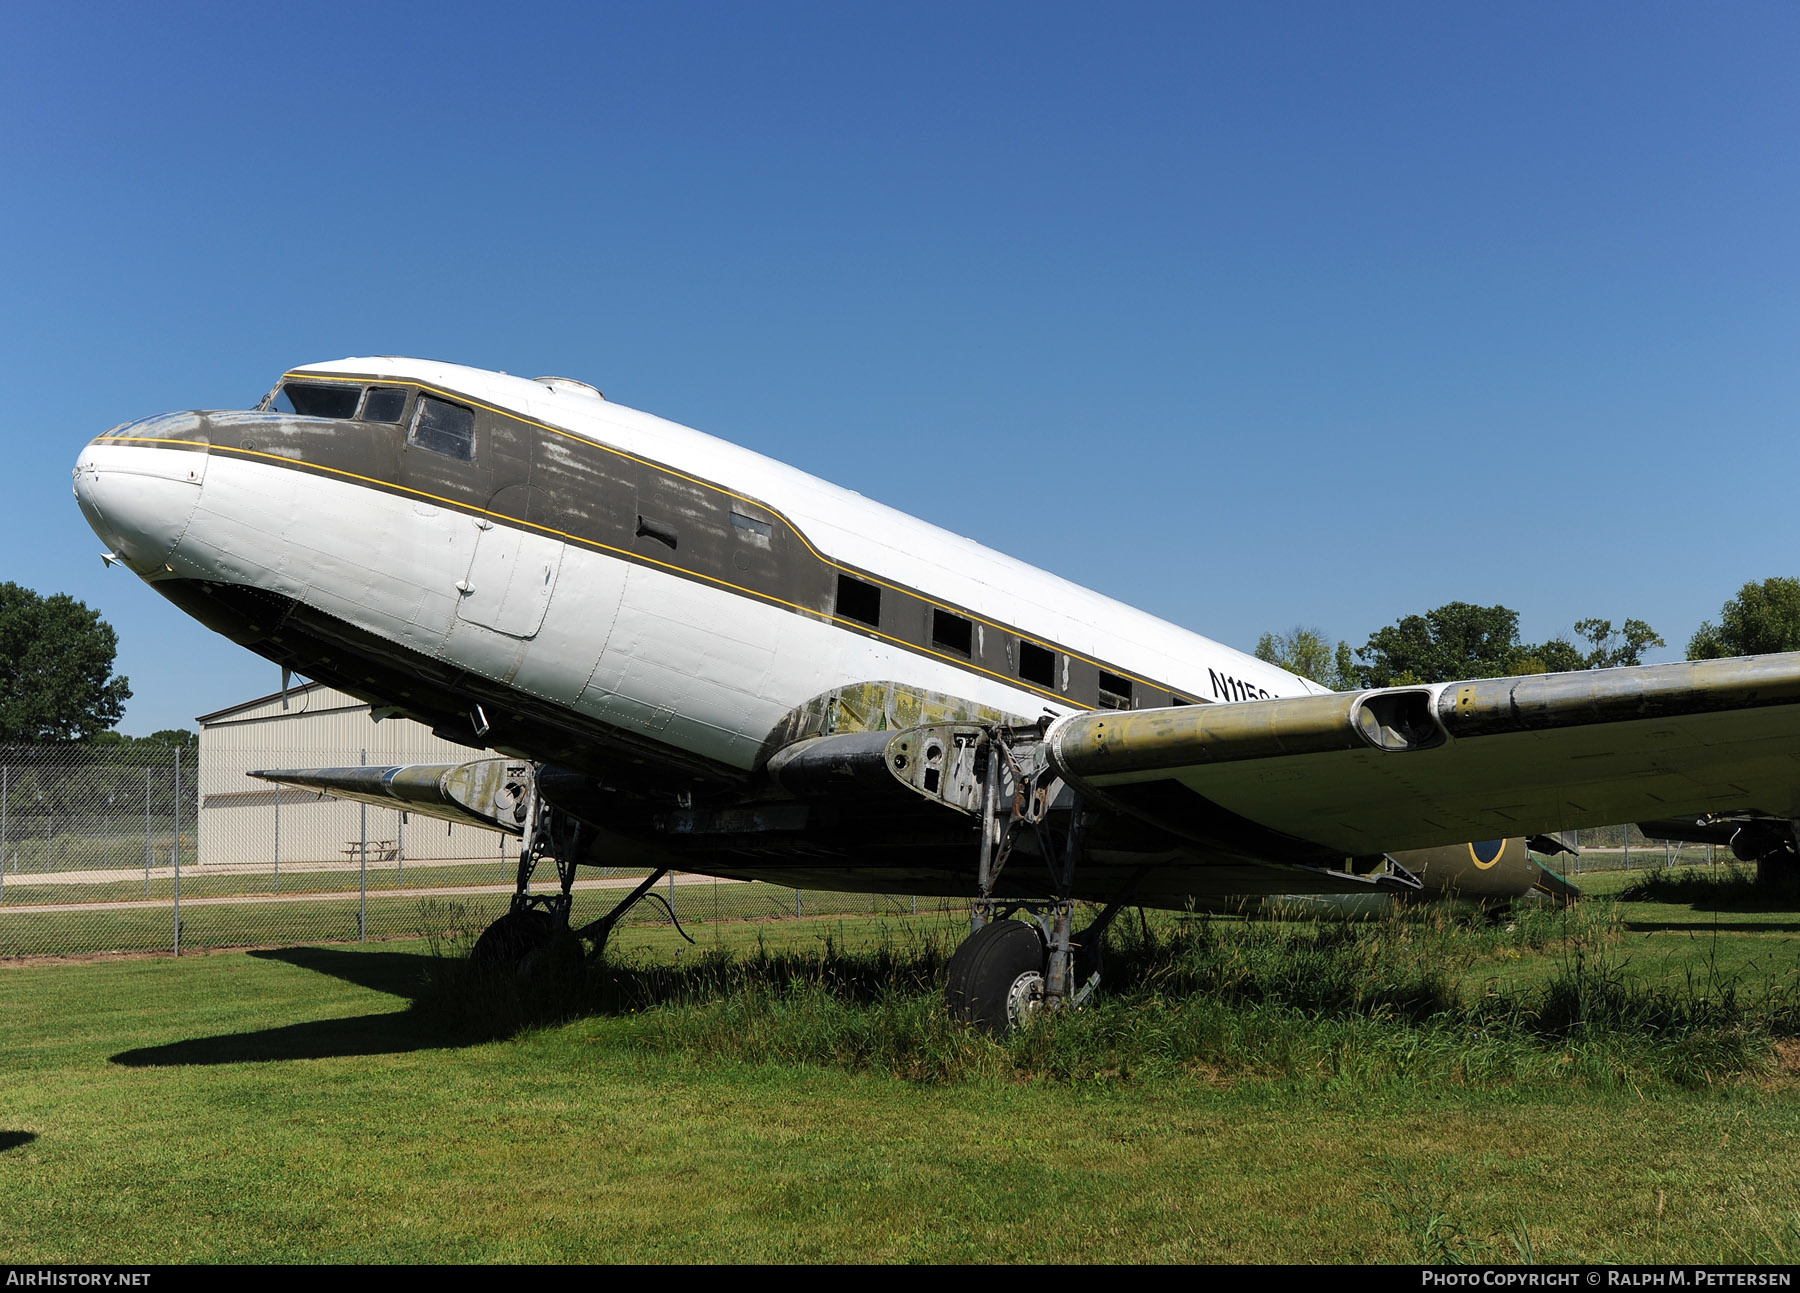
444, 428
384, 404
307, 400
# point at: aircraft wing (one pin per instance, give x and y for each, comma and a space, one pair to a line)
1362, 773
491, 793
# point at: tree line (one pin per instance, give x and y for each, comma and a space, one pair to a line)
1461, 640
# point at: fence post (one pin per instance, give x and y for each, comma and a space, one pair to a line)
362, 912
5, 789
1628, 846
146, 832
277, 835
175, 853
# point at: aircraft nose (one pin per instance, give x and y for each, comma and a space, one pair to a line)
138, 486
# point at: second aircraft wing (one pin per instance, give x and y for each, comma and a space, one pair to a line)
1414, 767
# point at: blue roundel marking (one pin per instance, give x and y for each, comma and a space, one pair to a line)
1487, 852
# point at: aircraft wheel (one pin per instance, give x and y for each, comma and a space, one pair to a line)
520, 943
1778, 872
996, 979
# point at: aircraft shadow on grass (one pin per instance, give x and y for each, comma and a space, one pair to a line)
401, 974
14, 1139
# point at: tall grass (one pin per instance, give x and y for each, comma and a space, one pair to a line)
1328, 1003
1734, 886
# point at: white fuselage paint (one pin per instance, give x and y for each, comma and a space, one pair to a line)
691, 665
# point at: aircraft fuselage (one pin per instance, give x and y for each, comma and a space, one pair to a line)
525, 566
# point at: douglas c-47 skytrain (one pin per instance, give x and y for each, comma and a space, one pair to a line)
696, 658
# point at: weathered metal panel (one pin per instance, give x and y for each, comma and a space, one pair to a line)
1522, 755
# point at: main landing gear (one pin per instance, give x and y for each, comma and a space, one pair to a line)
1008, 971
534, 940
1775, 848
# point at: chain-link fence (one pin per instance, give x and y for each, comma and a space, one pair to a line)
138, 849
1626, 848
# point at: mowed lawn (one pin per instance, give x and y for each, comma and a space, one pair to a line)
294, 1106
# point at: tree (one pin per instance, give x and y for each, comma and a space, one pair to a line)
56, 669
1347, 677
1558, 655
1456, 640
1613, 650
1307, 652
167, 738
1761, 619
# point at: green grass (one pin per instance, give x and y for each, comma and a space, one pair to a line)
1733, 887
1244, 1091
208, 925
391, 914
1429, 997
198, 882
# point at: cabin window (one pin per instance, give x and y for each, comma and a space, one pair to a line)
384, 404
952, 633
311, 400
1037, 664
858, 600
1115, 692
444, 428
748, 527
1179, 700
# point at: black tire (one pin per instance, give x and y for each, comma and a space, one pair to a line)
529, 946
996, 978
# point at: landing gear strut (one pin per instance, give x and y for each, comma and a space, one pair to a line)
601, 930
1008, 971
534, 936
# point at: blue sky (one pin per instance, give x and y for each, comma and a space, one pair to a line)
1249, 315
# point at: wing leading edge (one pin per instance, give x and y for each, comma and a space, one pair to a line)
1416, 767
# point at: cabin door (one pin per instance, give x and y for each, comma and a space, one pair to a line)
510, 580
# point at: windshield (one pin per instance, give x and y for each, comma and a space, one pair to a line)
333, 400
316, 400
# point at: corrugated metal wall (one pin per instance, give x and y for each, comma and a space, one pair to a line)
250, 822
